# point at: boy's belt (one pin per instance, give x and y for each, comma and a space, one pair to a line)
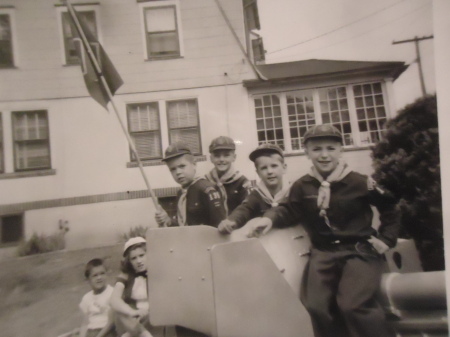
344, 243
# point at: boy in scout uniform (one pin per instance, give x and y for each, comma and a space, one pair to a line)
269, 191
198, 201
232, 185
344, 271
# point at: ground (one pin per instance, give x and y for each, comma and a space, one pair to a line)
40, 294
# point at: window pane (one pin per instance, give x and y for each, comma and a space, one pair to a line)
160, 19
334, 110
163, 44
371, 118
301, 108
32, 155
182, 117
88, 18
148, 145
6, 51
143, 117
1, 145
11, 228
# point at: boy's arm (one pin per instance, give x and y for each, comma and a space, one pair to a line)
249, 209
84, 326
390, 216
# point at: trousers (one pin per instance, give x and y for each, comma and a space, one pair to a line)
339, 292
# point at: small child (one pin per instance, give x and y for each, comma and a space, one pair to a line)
232, 185
129, 299
270, 190
98, 320
198, 201
343, 273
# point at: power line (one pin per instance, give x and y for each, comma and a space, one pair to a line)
354, 37
336, 29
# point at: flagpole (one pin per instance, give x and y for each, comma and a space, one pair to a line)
110, 96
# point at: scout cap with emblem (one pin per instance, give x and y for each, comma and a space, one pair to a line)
175, 150
322, 131
263, 149
222, 143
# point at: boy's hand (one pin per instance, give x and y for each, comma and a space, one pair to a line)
259, 227
140, 313
227, 226
162, 218
379, 245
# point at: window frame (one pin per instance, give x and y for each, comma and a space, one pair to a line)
164, 130
161, 4
356, 134
2, 145
79, 8
15, 141
12, 22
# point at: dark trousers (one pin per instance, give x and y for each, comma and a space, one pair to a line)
338, 290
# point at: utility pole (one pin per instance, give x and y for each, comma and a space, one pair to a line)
419, 63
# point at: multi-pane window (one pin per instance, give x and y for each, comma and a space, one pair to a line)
144, 126
334, 110
268, 120
183, 123
162, 32
6, 43
283, 118
370, 111
300, 110
70, 37
31, 140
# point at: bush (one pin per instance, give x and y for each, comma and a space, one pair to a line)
42, 243
133, 232
407, 163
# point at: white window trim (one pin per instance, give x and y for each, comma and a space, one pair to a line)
318, 116
15, 49
142, 7
78, 8
163, 121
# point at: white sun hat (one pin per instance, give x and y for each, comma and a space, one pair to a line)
132, 242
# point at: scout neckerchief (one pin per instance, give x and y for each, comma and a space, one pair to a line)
323, 198
273, 201
181, 207
229, 177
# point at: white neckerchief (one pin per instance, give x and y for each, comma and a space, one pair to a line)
181, 207
273, 201
323, 198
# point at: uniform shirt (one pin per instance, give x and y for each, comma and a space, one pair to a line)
237, 191
253, 206
204, 205
349, 212
96, 307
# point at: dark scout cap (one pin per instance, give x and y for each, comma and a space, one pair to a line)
265, 148
175, 150
222, 143
322, 131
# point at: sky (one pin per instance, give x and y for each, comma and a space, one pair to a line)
356, 30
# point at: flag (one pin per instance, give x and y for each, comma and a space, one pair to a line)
95, 63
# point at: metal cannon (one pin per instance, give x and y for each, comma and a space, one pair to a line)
231, 286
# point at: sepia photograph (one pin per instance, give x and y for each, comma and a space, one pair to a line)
224, 168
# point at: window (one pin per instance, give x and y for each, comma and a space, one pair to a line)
31, 140
2, 163
6, 42
182, 117
155, 125
251, 14
162, 30
11, 230
70, 39
358, 111
144, 126
258, 50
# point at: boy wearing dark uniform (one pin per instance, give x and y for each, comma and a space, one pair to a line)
232, 185
344, 271
198, 201
269, 191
